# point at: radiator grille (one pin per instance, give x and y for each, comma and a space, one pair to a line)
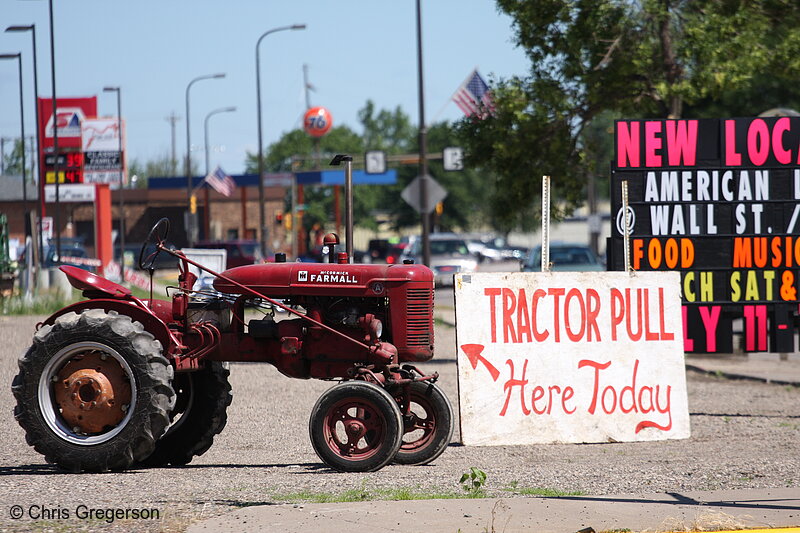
419, 317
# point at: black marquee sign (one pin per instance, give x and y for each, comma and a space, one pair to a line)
719, 201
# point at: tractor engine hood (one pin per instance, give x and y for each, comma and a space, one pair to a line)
294, 279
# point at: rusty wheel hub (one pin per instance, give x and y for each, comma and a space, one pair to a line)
93, 392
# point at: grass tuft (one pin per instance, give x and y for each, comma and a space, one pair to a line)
45, 303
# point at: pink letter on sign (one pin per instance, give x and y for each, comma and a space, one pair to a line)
758, 141
688, 344
732, 157
681, 142
627, 144
652, 143
782, 125
710, 316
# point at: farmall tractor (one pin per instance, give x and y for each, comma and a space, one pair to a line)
116, 381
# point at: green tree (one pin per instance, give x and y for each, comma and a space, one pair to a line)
12, 161
296, 151
391, 131
593, 60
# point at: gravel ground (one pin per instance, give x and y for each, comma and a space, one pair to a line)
744, 435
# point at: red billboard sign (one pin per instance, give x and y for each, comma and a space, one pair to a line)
71, 112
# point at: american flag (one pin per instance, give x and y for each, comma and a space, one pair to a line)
473, 97
221, 182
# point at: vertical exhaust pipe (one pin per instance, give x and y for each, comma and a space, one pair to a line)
348, 201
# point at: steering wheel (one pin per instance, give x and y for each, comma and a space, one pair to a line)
153, 245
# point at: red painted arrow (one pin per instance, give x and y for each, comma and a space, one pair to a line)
473, 353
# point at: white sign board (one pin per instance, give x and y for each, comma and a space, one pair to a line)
453, 158
101, 140
100, 135
211, 259
76, 192
375, 162
570, 357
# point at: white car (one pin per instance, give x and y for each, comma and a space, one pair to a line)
450, 255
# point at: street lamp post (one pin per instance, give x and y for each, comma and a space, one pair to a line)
261, 214
207, 213
121, 182
189, 150
57, 224
423, 157
18, 57
205, 130
40, 171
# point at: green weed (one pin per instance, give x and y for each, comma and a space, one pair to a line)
472, 482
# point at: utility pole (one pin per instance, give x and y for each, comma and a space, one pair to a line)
2, 155
173, 162
307, 86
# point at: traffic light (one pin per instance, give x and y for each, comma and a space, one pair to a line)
287, 222
278, 218
193, 204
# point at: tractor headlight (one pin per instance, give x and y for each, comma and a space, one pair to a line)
377, 328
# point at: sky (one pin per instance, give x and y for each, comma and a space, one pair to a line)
356, 50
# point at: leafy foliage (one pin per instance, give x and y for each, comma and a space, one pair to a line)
472, 482
595, 60
12, 161
391, 131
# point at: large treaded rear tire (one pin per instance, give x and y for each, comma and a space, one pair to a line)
200, 414
126, 350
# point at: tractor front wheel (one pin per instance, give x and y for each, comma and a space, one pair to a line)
93, 391
428, 426
356, 427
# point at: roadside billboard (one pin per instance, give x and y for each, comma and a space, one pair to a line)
71, 113
572, 357
717, 200
101, 141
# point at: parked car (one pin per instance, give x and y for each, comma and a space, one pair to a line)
450, 255
72, 253
315, 255
493, 248
564, 257
394, 256
378, 249
240, 252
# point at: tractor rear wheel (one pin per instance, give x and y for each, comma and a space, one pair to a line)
356, 427
428, 426
93, 391
200, 414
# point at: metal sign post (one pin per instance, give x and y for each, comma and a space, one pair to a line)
626, 239
545, 223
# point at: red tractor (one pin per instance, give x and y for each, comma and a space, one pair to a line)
116, 381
